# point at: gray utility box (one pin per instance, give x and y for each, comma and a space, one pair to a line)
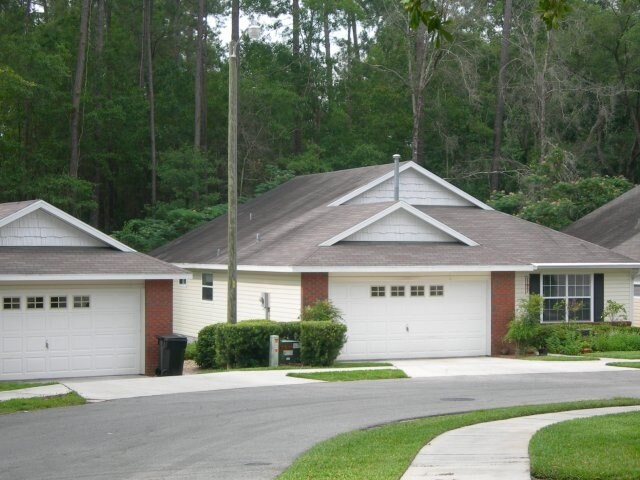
172, 349
289, 352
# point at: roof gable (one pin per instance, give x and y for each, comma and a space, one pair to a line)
418, 186
400, 223
41, 224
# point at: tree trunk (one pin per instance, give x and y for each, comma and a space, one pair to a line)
356, 46
148, 12
197, 142
496, 161
296, 140
77, 89
542, 98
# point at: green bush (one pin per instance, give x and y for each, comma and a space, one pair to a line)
562, 339
191, 351
321, 310
321, 342
524, 329
206, 346
616, 341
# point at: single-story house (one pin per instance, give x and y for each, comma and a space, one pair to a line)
76, 302
615, 225
424, 270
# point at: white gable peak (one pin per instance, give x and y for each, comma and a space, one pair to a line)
418, 186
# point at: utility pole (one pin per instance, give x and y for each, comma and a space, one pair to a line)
232, 148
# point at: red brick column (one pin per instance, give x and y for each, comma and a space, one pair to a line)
503, 305
315, 286
158, 319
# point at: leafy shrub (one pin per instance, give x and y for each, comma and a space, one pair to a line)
321, 310
321, 342
562, 339
614, 312
206, 346
190, 351
524, 329
614, 341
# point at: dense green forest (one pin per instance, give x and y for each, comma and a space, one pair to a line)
116, 110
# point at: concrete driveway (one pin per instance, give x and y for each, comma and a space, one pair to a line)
99, 389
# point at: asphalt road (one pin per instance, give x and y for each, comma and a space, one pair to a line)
255, 433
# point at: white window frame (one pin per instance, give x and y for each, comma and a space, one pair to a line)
9, 303
397, 291
436, 290
417, 290
566, 298
79, 301
378, 291
182, 282
35, 302
206, 287
58, 302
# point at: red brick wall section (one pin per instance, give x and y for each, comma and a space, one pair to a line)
315, 286
158, 313
503, 304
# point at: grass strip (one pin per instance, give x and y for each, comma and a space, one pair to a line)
6, 386
596, 448
386, 452
557, 358
624, 364
352, 375
630, 355
39, 403
298, 367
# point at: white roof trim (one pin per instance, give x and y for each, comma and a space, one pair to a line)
409, 209
419, 169
65, 217
586, 265
95, 276
354, 269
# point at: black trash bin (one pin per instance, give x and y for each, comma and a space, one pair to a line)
172, 349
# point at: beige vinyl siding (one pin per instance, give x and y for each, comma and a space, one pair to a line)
618, 286
522, 286
191, 313
636, 311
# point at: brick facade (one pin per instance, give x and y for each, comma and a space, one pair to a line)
158, 319
315, 286
503, 304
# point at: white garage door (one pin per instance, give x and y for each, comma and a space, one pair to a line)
422, 317
71, 331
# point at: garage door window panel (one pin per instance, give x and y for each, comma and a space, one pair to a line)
567, 298
11, 303
436, 290
56, 303
417, 290
378, 291
81, 301
207, 287
35, 303
397, 291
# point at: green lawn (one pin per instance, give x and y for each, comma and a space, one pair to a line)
5, 386
624, 364
631, 355
597, 448
352, 375
299, 367
386, 452
29, 404
556, 358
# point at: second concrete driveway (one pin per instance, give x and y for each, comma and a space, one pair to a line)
99, 389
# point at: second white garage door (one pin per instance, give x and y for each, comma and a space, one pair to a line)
393, 318
70, 331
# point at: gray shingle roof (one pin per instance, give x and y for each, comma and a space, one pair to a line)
615, 225
81, 261
293, 219
10, 208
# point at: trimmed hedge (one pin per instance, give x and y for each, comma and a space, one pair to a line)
321, 342
246, 344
